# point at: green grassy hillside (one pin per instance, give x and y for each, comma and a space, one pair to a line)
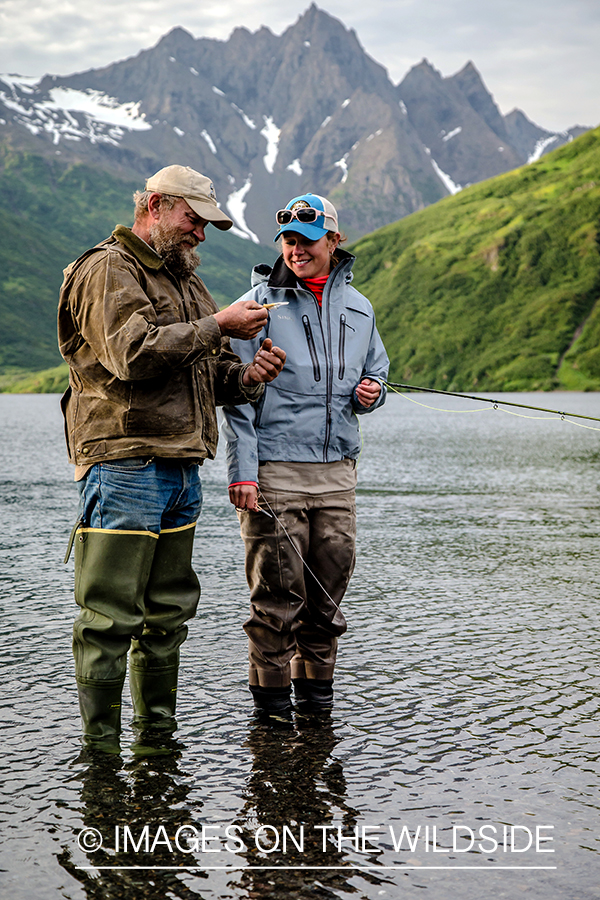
49, 214
496, 287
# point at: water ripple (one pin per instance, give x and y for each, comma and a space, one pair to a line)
467, 689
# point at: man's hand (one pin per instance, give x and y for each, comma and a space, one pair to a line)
367, 392
266, 365
244, 496
242, 320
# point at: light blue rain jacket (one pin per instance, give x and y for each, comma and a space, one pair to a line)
308, 413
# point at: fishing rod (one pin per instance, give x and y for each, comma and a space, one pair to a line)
556, 412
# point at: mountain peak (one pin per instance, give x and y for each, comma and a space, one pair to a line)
470, 67
176, 38
314, 13
315, 20
471, 85
425, 67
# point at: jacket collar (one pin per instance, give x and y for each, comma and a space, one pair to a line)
142, 251
283, 277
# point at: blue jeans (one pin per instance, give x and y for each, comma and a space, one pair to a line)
140, 494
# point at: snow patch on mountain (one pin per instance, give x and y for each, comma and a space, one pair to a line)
27, 83
209, 141
246, 119
450, 186
98, 106
236, 207
104, 117
295, 167
451, 134
343, 165
271, 134
540, 146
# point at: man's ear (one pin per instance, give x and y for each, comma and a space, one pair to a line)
154, 205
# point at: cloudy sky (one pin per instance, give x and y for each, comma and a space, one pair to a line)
540, 55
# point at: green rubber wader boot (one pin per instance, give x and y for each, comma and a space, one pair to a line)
100, 706
171, 599
111, 573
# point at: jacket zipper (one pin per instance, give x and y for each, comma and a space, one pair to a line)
327, 306
328, 360
342, 347
311, 348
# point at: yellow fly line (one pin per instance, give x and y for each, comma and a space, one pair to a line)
496, 405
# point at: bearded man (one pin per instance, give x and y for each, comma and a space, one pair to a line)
149, 358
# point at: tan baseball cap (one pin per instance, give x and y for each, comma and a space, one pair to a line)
196, 189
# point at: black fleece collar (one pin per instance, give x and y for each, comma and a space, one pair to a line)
140, 249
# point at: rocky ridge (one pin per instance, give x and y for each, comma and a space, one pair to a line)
271, 116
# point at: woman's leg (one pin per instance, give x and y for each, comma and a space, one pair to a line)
276, 578
330, 558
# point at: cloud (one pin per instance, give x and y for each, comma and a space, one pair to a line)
540, 55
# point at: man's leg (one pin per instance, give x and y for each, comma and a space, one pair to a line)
111, 572
124, 505
171, 599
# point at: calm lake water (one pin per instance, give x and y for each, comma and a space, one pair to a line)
462, 755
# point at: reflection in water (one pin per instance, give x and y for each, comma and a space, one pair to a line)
296, 788
137, 809
295, 810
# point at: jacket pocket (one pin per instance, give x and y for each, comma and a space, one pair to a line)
342, 347
311, 348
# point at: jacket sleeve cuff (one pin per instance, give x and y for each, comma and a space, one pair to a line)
252, 392
357, 405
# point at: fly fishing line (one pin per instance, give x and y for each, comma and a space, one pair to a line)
496, 404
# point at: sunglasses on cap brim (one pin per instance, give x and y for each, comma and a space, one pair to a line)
305, 214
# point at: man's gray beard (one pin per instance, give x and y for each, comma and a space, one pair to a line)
171, 245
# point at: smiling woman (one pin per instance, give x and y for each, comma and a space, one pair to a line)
308, 259
297, 448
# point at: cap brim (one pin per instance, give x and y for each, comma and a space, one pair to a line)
310, 231
211, 213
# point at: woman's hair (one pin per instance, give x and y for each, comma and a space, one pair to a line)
335, 258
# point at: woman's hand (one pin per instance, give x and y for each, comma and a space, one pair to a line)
367, 392
244, 496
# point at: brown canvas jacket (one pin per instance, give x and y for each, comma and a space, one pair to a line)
148, 363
